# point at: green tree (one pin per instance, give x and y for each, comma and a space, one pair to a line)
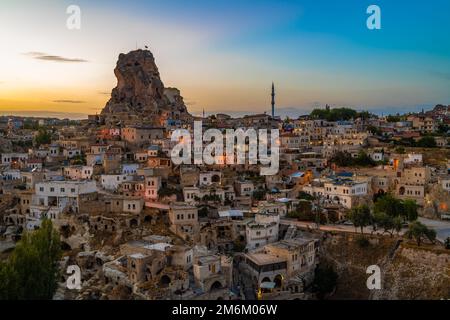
360, 216
374, 130
447, 243
419, 231
426, 142
400, 150
389, 205
9, 289
443, 128
364, 160
342, 159
409, 211
393, 118
397, 224
79, 160
32, 269
305, 196
42, 137
345, 159
334, 114
384, 221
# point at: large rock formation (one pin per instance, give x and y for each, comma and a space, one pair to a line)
140, 95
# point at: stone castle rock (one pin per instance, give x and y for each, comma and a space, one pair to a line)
140, 96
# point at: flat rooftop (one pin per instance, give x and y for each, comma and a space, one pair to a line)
290, 244
264, 258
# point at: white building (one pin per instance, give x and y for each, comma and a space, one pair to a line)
344, 191
263, 230
9, 158
51, 198
377, 156
413, 158
11, 174
112, 181
71, 152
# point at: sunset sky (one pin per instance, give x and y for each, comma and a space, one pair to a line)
223, 55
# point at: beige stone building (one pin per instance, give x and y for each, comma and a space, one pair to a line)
184, 221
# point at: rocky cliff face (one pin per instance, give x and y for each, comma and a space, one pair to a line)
140, 95
407, 271
416, 273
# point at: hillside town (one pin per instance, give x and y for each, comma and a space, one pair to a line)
141, 227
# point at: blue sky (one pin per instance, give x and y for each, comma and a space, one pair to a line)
223, 55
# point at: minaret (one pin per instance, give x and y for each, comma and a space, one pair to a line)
273, 100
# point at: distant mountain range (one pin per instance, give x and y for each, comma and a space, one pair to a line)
45, 114
291, 112
295, 112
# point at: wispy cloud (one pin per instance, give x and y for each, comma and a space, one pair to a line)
68, 101
104, 92
54, 58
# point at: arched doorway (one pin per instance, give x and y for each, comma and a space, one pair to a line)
215, 286
278, 281
164, 281
133, 223
266, 279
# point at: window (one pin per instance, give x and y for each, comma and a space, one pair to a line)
63, 190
